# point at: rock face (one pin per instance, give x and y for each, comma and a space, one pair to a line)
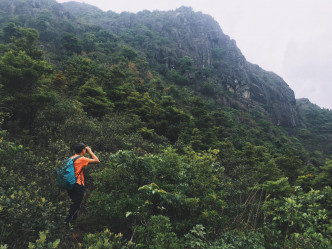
179, 33
199, 36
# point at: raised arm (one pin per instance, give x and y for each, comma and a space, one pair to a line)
94, 157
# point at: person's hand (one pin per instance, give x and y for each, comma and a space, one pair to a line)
94, 157
88, 149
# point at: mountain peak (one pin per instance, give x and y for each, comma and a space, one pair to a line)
200, 37
165, 37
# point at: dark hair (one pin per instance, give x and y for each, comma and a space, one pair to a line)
79, 147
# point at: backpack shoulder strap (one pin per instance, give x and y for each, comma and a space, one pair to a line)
75, 158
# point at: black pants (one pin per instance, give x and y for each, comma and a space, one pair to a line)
76, 194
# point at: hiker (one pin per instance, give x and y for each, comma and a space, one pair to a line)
77, 192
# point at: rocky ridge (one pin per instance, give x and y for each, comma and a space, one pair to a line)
183, 32
199, 36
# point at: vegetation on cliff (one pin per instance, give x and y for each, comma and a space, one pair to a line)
194, 152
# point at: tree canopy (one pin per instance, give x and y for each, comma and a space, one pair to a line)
184, 164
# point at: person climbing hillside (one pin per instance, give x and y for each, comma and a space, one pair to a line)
77, 192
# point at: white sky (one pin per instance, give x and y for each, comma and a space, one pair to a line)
292, 38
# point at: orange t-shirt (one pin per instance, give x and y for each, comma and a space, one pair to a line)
78, 165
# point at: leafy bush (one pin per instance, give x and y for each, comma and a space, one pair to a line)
300, 221
28, 200
41, 242
229, 240
105, 240
157, 234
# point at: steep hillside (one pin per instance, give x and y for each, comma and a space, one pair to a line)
198, 147
166, 37
316, 126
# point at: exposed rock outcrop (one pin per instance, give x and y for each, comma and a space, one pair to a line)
180, 33
199, 36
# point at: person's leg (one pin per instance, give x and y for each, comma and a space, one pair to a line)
76, 194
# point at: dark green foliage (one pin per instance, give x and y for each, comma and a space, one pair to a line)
229, 240
177, 78
70, 43
324, 178
300, 221
93, 99
186, 64
148, 185
20, 72
185, 164
28, 202
158, 234
318, 127
23, 39
129, 53
23, 75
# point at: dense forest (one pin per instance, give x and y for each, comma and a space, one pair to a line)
198, 147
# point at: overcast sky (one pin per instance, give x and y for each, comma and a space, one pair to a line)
292, 38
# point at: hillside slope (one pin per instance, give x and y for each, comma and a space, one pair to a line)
166, 37
199, 36
198, 147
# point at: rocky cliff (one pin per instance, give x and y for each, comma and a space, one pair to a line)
184, 32
164, 37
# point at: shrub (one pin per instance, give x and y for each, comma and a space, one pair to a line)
105, 240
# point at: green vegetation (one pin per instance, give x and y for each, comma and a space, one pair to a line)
180, 169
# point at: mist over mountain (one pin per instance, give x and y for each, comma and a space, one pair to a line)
199, 148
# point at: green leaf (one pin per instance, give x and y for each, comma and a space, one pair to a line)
56, 243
